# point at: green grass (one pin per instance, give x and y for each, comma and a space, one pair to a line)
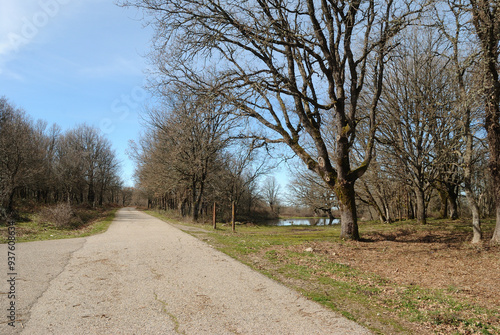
383, 306
31, 229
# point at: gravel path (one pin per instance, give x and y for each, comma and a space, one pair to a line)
144, 276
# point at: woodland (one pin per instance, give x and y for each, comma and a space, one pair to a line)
42, 165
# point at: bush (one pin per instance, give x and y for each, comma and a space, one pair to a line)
60, 215
86, 215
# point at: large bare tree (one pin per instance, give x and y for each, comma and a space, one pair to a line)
271, 192
295, 67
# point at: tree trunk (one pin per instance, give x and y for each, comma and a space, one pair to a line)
182, 207
91, 195
194, 199
388, 218
495, 172
101, 195
330, 217
233, 216
487, 25
452, 198
443, 195
198, 199
347, 206
496, 233
411, 207
381, 218
10, 203
214, 222
476, 222
421, 215
469, 192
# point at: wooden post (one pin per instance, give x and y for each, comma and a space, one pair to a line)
213, 218
232, 218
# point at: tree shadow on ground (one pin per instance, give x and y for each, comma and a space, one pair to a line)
423, 237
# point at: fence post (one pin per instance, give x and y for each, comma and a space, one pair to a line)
233, 218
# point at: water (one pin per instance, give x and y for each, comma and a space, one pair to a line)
302, 222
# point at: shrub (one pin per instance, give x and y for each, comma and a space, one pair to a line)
86, 215
60, 215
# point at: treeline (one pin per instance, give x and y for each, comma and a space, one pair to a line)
189, 158
43, 165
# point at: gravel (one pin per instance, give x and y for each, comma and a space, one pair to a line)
144, 276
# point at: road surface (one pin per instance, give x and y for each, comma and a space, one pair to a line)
144, 276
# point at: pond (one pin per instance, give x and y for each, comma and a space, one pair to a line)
302, 222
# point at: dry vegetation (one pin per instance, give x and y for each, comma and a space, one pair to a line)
462, 279
60, 221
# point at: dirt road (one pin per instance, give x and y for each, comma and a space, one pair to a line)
143, 276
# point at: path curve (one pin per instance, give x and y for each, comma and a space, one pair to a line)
144, 276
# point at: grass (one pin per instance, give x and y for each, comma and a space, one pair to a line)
381, 304
30, 228
170, 315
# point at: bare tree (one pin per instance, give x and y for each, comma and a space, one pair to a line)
179, 152
379, 190
20, 153
88, 159
126, 195
69, 167
47, 187
85, 165
454, 24
288, 66
310, 191
236, 181
270, 191
416, 103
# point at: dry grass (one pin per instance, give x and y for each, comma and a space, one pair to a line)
52, 223
60, 215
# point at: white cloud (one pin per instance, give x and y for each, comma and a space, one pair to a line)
17, 26
21, 22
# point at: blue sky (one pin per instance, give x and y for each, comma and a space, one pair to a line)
75, 61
